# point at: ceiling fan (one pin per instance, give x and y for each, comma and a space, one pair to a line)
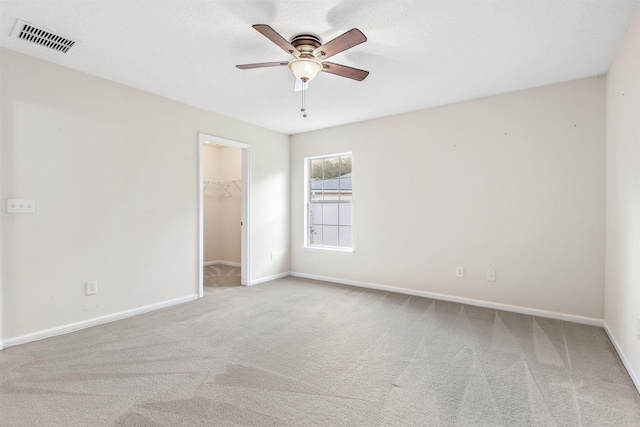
310, 54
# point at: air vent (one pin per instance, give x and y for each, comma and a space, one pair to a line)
26, 31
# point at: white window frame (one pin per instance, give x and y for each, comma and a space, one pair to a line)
307, 195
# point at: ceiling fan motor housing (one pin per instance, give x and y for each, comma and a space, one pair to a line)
306, 43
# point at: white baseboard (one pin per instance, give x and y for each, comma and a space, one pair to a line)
229, 263
270, 278
633, 374
470, 301
60, 330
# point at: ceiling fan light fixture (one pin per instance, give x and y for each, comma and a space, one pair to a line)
305, 69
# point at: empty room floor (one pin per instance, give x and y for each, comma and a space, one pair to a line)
296, 352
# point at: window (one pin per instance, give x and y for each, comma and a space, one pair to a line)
329, 201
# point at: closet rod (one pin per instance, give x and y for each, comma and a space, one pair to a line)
227, 183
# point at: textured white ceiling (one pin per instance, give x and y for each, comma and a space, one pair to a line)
420, 53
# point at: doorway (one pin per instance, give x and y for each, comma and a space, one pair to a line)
222, 189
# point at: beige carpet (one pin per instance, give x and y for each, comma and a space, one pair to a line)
297, 352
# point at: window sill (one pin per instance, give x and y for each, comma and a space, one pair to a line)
326, 249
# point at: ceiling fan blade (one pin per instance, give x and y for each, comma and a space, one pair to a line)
262, 65
341, 43
344, 71
272, 35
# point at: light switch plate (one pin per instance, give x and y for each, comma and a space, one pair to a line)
91, 288
21, 206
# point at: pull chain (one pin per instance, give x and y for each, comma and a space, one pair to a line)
304, 99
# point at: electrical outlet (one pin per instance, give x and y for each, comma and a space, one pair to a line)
459, 272
92, 288
272, 257
491, 275
638, 330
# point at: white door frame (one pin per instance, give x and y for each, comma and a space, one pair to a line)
245, 259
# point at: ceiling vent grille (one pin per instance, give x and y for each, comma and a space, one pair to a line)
26, 31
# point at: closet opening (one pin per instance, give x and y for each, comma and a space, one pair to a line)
224, 213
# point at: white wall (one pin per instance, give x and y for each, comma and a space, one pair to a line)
231, 206
622, 297
222, 204
211, 205
1, 232
114, 172
513, 183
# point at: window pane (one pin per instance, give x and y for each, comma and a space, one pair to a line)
331, 167
315, 213
345, 236
316, 189
316, 168
345, 186
345, 195
330, 235
345, 165
330, 214
345, 214
331, 195
315, 235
